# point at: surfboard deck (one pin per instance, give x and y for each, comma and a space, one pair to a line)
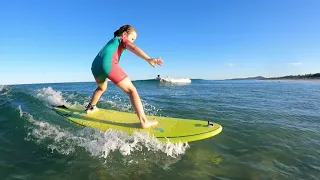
172, 129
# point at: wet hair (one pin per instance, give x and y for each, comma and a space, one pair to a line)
122, 29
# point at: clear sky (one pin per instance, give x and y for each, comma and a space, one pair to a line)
56, 40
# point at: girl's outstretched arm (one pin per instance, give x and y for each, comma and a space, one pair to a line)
137, 51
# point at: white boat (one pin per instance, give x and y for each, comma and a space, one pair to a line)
173, 80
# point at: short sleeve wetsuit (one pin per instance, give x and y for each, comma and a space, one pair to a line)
106, 63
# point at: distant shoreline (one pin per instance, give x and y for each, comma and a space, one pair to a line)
277, 80
292, 80
307, 77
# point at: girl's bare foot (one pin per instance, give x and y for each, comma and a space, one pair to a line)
148, 124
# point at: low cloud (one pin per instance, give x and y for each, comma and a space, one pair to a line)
229, 64
294, 64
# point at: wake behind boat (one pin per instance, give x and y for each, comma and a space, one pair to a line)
173, 80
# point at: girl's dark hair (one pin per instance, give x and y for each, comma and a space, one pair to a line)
122, 29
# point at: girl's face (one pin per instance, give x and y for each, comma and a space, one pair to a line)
132, 36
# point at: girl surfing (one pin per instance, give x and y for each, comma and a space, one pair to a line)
106, 66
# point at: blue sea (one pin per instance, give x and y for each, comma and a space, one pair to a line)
271, 130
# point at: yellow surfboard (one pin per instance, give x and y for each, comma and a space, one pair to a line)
172, 129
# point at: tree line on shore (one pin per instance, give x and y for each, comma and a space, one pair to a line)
305, 76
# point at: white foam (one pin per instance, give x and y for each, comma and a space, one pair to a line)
4, 94
119, 102
150, 109
96, 142
51, 96
4, 90
175, 80
122, 103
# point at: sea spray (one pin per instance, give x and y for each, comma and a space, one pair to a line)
96, 142
51, 96
117, 102
4, 94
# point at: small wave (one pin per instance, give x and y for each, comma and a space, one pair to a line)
4, 90
122, 103
1, 87
116, 102
51, 96
4, 94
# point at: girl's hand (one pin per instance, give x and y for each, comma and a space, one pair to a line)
155, 61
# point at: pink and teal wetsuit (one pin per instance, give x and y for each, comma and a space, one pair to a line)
106, 63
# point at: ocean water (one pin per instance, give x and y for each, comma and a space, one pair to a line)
271, 130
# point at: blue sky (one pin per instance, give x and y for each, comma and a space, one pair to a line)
56, 41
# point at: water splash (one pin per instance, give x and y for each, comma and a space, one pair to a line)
1, 87
51, 96
117, 102
96, 142
103, 143
122, 103
4, 94
4, 90
174, 80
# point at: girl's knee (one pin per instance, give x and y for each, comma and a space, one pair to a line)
103, 89
131, 90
